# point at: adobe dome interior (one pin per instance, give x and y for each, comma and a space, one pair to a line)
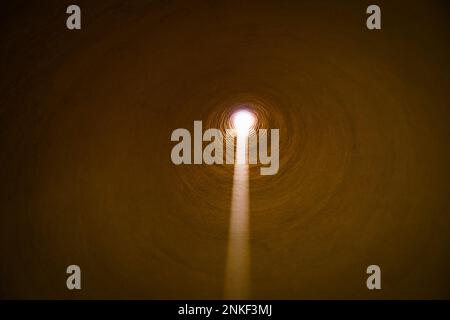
86, 118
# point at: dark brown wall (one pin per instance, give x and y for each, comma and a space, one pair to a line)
85, 124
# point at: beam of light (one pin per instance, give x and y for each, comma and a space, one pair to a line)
237, 272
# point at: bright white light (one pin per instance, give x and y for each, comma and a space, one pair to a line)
243, 121
237, 270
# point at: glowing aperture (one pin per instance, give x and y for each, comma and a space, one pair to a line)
243, 121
